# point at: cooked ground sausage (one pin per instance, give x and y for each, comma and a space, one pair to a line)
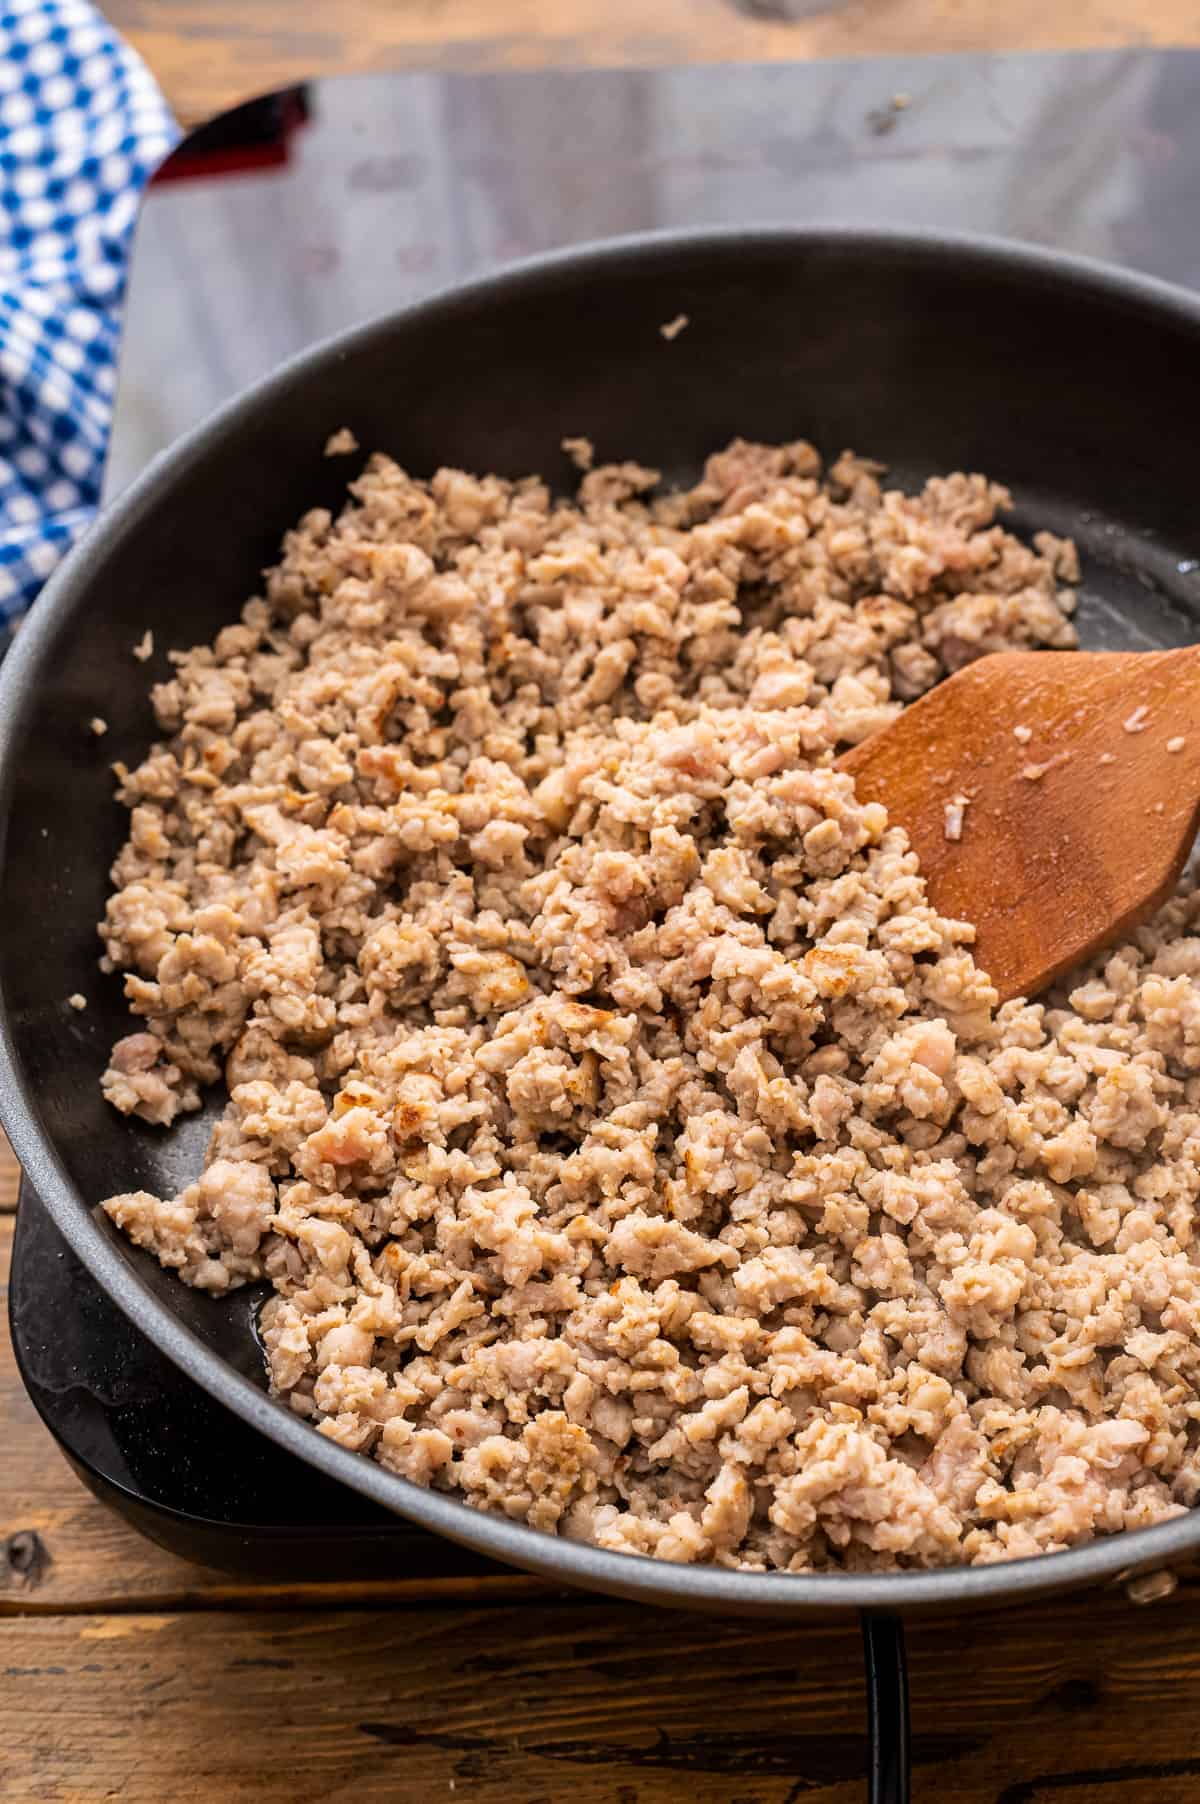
630, 1146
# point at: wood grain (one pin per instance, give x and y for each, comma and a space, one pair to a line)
208, 54
598, 1702
10, 1176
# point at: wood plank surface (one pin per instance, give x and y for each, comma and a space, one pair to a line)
207, 54
10, 1176
597, 1702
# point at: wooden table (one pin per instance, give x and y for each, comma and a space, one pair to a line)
127, 1673
207, 53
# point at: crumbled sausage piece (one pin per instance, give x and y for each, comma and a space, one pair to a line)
955, 813
1033, 773
581, 452
629, 1146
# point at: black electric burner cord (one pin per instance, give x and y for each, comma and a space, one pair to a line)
887, 1710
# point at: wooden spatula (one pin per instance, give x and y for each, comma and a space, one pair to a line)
1052, 797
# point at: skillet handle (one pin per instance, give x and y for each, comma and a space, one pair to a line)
887, 1710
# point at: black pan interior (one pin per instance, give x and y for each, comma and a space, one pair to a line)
1079, 390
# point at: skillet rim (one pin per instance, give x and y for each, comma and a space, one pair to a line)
1112, 1559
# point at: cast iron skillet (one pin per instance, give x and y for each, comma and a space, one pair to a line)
1076, 385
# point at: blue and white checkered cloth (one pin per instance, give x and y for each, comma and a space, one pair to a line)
82, 128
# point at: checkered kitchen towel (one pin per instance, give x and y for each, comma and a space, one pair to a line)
82, 127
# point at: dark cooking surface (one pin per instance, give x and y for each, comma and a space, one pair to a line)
362, 193
395, 185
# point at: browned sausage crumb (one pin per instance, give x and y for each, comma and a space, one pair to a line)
630, 1146
341, 443
580, 451
98, 726
144, 648
674, 327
